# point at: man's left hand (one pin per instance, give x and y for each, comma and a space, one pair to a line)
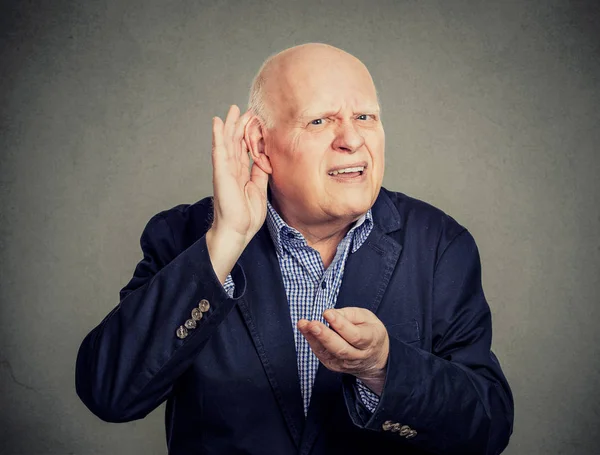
356, 343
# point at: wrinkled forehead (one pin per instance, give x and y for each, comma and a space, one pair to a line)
313, 87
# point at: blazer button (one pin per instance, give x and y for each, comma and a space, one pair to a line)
190, 324
204, 305
404, 430
196, 314
411, 434
182, 332
387, 425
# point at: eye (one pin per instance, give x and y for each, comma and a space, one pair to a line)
363, 117
318, 121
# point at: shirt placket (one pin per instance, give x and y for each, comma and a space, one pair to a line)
309, 288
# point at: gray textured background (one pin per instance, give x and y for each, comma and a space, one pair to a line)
491, 112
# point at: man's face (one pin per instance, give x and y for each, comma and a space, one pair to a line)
327, 146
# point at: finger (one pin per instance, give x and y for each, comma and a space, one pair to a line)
333, 363
358, 336
314, 343
241, 126
230, 121
217, 127
327, 341
239, 139
357, 315
259, 177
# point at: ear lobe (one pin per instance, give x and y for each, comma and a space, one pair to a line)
255, 141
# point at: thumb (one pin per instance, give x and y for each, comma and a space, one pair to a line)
259, 177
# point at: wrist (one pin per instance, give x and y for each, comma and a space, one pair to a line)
224, 249
374, 382
374, 379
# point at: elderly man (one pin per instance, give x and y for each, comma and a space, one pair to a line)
304, 309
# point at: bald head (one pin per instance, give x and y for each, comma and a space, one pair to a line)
293, 71
316, 115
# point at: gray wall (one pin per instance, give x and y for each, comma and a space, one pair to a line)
491, 113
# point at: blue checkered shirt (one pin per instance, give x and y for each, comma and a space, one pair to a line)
311, 289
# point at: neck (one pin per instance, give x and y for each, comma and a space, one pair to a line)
324, 237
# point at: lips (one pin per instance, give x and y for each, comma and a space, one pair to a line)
348, 169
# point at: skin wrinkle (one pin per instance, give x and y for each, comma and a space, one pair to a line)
323, 114
300, 85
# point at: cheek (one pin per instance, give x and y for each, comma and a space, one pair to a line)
376, 145
296, 163
382, 153
309, 153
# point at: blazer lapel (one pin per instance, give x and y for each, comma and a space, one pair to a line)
265, 310
366, 277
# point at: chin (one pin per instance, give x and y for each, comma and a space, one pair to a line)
354, 208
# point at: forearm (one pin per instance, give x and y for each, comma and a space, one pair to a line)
453, 393
453, 409
126, 366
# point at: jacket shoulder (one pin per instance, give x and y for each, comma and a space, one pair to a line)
421, 217
186, 222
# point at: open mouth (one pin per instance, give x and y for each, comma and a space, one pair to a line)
348, 172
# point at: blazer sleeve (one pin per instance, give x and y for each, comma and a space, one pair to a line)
455, 398
128, 364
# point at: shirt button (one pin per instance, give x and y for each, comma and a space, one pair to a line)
323, 284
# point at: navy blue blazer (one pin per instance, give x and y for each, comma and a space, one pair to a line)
232, 384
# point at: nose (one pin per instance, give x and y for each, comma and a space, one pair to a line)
347, 138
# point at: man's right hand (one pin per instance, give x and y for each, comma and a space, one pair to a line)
240, 193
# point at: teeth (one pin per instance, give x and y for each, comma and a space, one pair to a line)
348, 170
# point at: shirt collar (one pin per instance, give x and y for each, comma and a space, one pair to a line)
282, 233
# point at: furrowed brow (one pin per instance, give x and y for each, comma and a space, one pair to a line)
308, 115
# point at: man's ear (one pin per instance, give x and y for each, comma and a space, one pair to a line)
255, 140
